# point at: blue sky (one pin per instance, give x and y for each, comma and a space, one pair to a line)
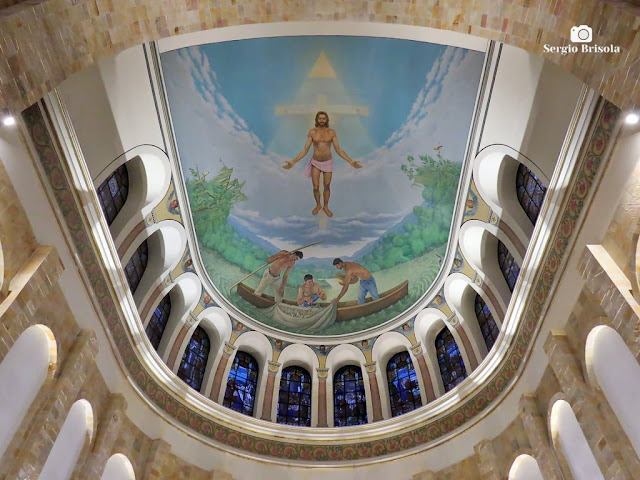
222, 100
380, 73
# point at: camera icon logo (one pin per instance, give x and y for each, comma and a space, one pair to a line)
581, 34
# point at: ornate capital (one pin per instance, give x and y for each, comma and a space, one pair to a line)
417, 349
228, 348
191, 320
323, 373
151, 219
274, 367
370, 367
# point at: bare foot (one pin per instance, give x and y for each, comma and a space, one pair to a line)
316, 210
327, 211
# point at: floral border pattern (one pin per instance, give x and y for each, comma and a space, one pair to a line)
586, 172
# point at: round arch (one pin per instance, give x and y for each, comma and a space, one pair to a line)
569, 440
149, 178
494, 171
525, 467
258, 345
341, 356
167, 241
184, 295
479, 245
612, 367
29, 364
303, 356
385, 347
118, 467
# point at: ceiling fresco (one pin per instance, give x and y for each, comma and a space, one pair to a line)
331, 157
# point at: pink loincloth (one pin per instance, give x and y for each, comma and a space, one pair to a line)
326, 166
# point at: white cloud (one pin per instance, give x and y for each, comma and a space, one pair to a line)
366, 202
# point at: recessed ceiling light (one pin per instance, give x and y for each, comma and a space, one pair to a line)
632, 119
8, 120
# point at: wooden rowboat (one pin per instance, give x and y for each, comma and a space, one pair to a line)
346, 310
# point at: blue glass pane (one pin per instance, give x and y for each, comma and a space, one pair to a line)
488, 326
135, 267
158, 322
402, 381
194, 360
508, 265
530, 192
113, 193
294, 400
452, 369
349, 398
242, 384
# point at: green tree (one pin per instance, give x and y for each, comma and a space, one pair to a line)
438, 177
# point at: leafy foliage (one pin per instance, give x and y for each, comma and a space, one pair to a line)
438, 178
213, 199
211, 202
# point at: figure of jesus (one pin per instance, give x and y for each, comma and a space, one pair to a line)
321, 161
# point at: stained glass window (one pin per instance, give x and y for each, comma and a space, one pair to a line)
349, 398
113, 192
136, 266
488, 326
452, 368
157, 324
294, 401
242, 384
194, 360
508, 266
530, 192
404, 389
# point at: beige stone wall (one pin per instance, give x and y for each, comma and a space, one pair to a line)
42, 43
35, 297
16, 236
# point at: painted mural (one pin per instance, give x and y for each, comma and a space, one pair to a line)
322, 171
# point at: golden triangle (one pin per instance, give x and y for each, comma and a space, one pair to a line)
322, 68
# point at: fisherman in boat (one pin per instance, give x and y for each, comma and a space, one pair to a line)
282, 261
355, 271
310, 292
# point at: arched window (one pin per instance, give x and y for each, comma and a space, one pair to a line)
525, 467
450, 361
155, 327
73, 438
136, 266
569, 438
488, 326
508, 266
530, 192
23, 371
404, 389
194, 360
349, 399
242, 384
118, 467
617, 373
113, 193
294, 400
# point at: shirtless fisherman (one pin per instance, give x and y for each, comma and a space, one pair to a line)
367, 282
310, 292
322, 138
282, 260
